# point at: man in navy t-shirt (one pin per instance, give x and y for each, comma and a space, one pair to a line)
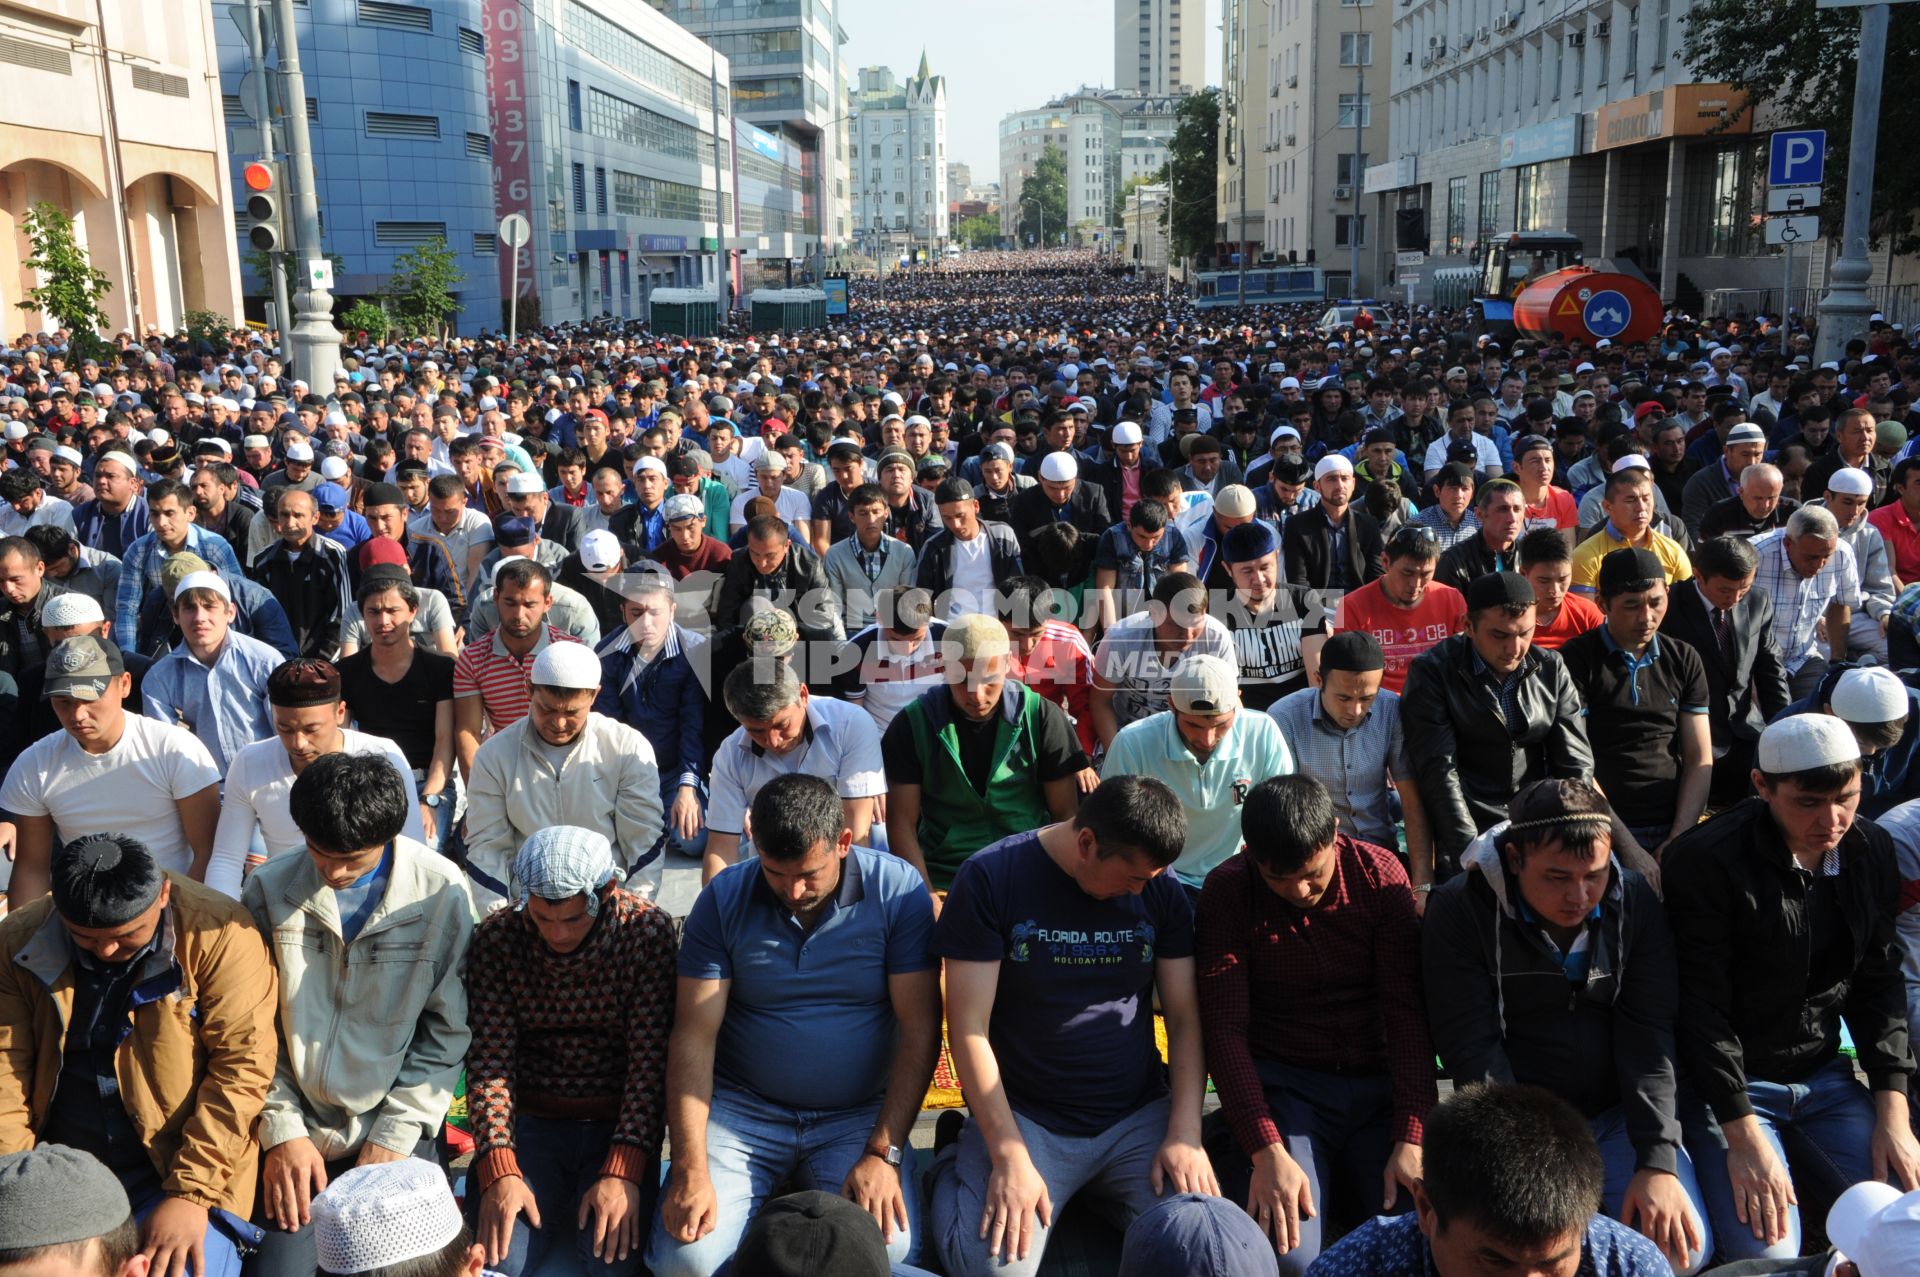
1055, 942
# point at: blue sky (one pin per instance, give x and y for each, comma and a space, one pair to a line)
998, 56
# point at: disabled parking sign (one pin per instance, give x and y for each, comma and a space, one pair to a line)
1607, 313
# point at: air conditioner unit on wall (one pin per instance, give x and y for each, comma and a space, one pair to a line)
1466, 41
1343, 192
1576, 39
1503, 23
1602, 29
1484, 35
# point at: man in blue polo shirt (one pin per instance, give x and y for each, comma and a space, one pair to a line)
806, 1032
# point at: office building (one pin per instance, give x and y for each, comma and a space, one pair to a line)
900, 178
110, 115
1243, 153
1105, 137
1146, 240
1157, 49
1580, 117
788, 80
1325, 118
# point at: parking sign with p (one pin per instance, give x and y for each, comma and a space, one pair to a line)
1797, 158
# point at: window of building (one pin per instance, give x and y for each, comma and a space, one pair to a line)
1349, 168
1350, 231
573, 105
639, 196
1660, 19
1347, 101
579, 188
1356, 49
1632, 66
1457, 215
622, 121
1529, 197
1602, 47
1489, 220
1723, 200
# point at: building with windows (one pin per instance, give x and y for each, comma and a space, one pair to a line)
1145, 239
1311, 139
111, 117
900, 178
788, 80
403, 147
1104, 135
1157, 49
1243, 153
1579, 117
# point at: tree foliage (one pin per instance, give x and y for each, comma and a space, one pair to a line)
1043, 198
367, 317
1192, 171
424, 279
260, 262
981, 231
69, 288
1801, 60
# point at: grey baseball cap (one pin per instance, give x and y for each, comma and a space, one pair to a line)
82, 666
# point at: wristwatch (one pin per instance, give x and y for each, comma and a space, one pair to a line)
891, 1157
433, 800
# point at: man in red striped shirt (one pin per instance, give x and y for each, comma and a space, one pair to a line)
1310, 1006
490, 688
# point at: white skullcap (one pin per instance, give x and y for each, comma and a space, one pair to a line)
1332, 463
1851, 481
1289, 383
1127, 432
1804, 742
16, 430
522, 484
1282, 432
297, 451
377, 1216
335, 468
69, 455
1632, 461
124, 460
72, 608
1059, 467
256, 441
658, 466
157, 436
1877, 1227
1235, 501
203, 581
1871, 695
599, 551
571, 666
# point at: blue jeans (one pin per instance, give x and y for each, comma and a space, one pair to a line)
560, 1161
1822, 1132
1623, 1162
1340, 1131
220, 1247
1114, 1165
695, 846
754, 1147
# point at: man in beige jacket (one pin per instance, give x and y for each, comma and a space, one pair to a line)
369, 929
562, 764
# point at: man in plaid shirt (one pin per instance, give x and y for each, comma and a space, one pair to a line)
1309, 979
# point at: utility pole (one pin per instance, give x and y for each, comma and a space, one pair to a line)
263, 115
1844, 310
313, 343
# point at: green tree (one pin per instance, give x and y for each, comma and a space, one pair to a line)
1192, 169
259, 261
1043, 198
70, 288
1802, 59
422, 289
980, 231
369, 317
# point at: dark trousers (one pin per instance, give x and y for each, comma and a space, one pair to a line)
291, 1254
561, 1161
1732, 775
1340, 1131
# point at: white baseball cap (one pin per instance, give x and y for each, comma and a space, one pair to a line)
599, 551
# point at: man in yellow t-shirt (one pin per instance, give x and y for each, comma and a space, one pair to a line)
1628, 501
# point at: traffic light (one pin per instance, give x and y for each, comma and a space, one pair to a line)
266, 230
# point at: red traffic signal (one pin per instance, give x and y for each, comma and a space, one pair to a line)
258, 177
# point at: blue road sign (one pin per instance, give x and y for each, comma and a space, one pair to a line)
1797, 158
1607, 314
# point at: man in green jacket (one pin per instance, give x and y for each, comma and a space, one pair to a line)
369, 930
975, 760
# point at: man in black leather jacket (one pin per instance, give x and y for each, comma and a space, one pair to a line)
1484, 713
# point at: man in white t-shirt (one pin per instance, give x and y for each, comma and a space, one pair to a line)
770, 473
256, 823
108, 769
